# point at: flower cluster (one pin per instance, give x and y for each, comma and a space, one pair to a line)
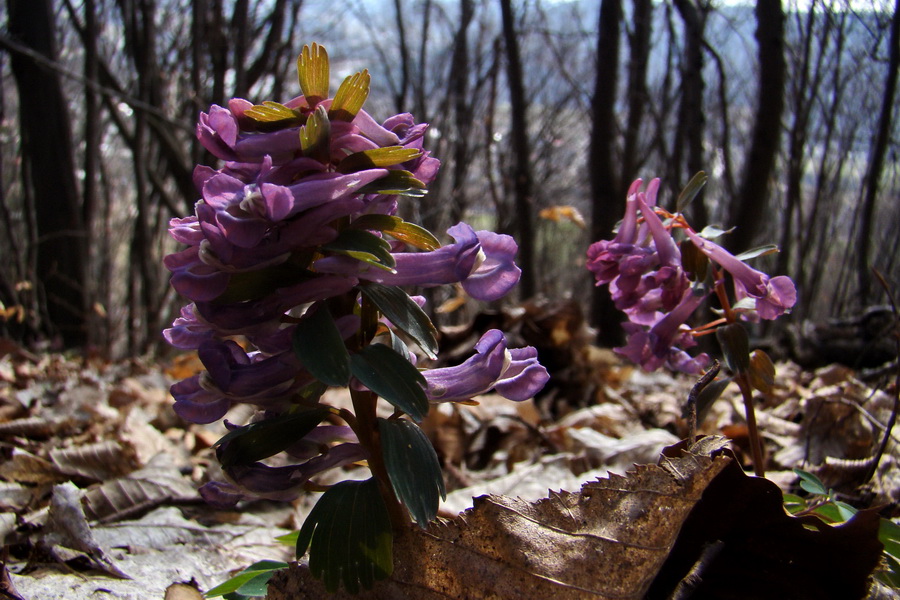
652, 283
294, 254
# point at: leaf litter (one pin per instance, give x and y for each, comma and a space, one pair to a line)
101, 438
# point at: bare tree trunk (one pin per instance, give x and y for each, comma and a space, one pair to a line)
752, 201
638, 96
606, 205
48, 168
400, 99
691, 125
522, 180
462, 110
876, 163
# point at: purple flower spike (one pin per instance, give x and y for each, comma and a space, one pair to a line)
514, 374
774, 296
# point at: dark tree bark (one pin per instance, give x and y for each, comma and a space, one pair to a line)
876, 163
462, 110
638, 96
522, 179
48, 169
691, 125
752, 201
606, 205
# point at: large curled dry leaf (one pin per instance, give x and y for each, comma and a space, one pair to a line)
607, 541
632, 537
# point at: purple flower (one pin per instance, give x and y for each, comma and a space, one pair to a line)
651, 348
514, 374
774, 296
484, 262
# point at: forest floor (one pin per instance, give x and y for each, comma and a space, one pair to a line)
98, 476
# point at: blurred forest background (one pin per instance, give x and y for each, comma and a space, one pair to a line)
542, 111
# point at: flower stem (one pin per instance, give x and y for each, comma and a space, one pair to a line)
756, 450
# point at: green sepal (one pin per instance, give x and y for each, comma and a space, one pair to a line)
690, 191
413, 468
266, 438
249, 582
735, 346
392, 377
409, 233
363, 246
756, 252
319, 346
348, 534
377, 158
313, 73
402, 311
350, 97
398, 182
274, 115
761, 372
315, 136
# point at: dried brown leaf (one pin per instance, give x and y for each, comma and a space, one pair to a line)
99, 461
607, 541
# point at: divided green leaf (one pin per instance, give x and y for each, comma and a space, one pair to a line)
761, 372
350, 97
313, 73
735, 346
363, 246
811, 483
413, 467
402, 311
348, 534
262, 439
392, 377
249, 582
319, 346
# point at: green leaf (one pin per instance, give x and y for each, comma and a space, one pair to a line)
829, 513
761, 372
846, 511
811, 483
315, 136
313, 73
690, 191
350, 97
392, 377
363, 246
377, 158
735, 346
709, 395
236, 583
755, 252
399, 182
348, 533
794, 504
413, 468
891, 576
262, 439
693, 261
319, 346
889, 535
402, 311
288, 539
397, 228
